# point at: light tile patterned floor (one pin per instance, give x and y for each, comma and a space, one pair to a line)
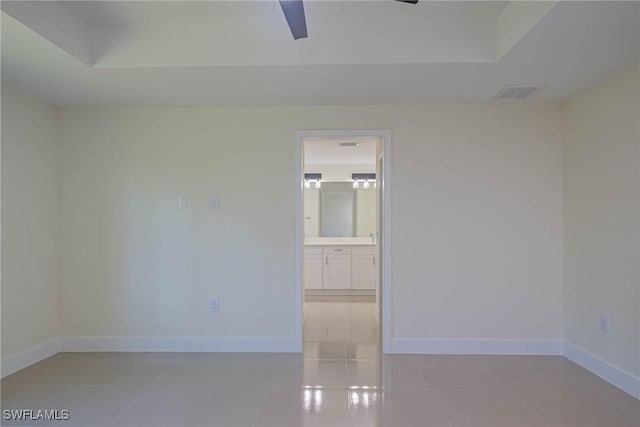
340, 380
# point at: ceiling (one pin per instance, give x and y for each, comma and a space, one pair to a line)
212, 53
328, 151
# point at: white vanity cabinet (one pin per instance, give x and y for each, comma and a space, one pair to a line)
363, 267
312, 268
336, 272
340, 267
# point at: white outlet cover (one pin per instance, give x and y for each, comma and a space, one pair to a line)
182, 202
214, 203
604, 323
214, 307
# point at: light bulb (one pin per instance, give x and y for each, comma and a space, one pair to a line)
366, 184
307, 184
356, 184
318, 184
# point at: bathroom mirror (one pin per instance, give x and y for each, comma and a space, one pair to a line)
337, 213
339, 210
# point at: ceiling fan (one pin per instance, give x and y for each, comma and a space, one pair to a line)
294, 14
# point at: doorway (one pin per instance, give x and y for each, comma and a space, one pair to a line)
342, 227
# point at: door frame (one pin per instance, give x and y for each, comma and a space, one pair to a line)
386, 242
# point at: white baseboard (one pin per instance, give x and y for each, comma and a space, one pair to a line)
476, 346
611, 373
181, 344
620, 378
29, 356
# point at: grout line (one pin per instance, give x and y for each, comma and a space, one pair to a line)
264, 399
431, 392
519, 396
440, 406
106, 389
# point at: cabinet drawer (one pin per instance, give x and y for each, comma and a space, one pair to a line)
336, 250
365, 250
312, 250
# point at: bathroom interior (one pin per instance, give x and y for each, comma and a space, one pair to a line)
341, 268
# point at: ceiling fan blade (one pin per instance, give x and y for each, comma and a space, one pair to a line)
409, 1
294, 13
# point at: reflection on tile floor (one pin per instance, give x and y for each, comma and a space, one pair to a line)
340, 380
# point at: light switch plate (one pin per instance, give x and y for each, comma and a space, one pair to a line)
214, 203
604, 323
182, 202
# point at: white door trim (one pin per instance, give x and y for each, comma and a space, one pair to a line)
385, 134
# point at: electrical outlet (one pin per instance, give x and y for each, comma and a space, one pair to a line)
214, 203
214, 307
604, 323
182, 202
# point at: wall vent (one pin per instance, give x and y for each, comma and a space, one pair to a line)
348, 144
517, 91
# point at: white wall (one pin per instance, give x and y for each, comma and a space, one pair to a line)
29, 226
602, 217
477, 212
477, 219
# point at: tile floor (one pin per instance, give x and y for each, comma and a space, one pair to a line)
340, 380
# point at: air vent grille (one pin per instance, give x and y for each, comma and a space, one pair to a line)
517, 91
348, 144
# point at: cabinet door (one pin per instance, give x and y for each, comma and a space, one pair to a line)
364, 271
312, 271
337, 271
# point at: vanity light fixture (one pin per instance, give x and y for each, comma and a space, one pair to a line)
365, 178
312, 177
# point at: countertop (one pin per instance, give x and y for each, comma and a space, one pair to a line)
337, 241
